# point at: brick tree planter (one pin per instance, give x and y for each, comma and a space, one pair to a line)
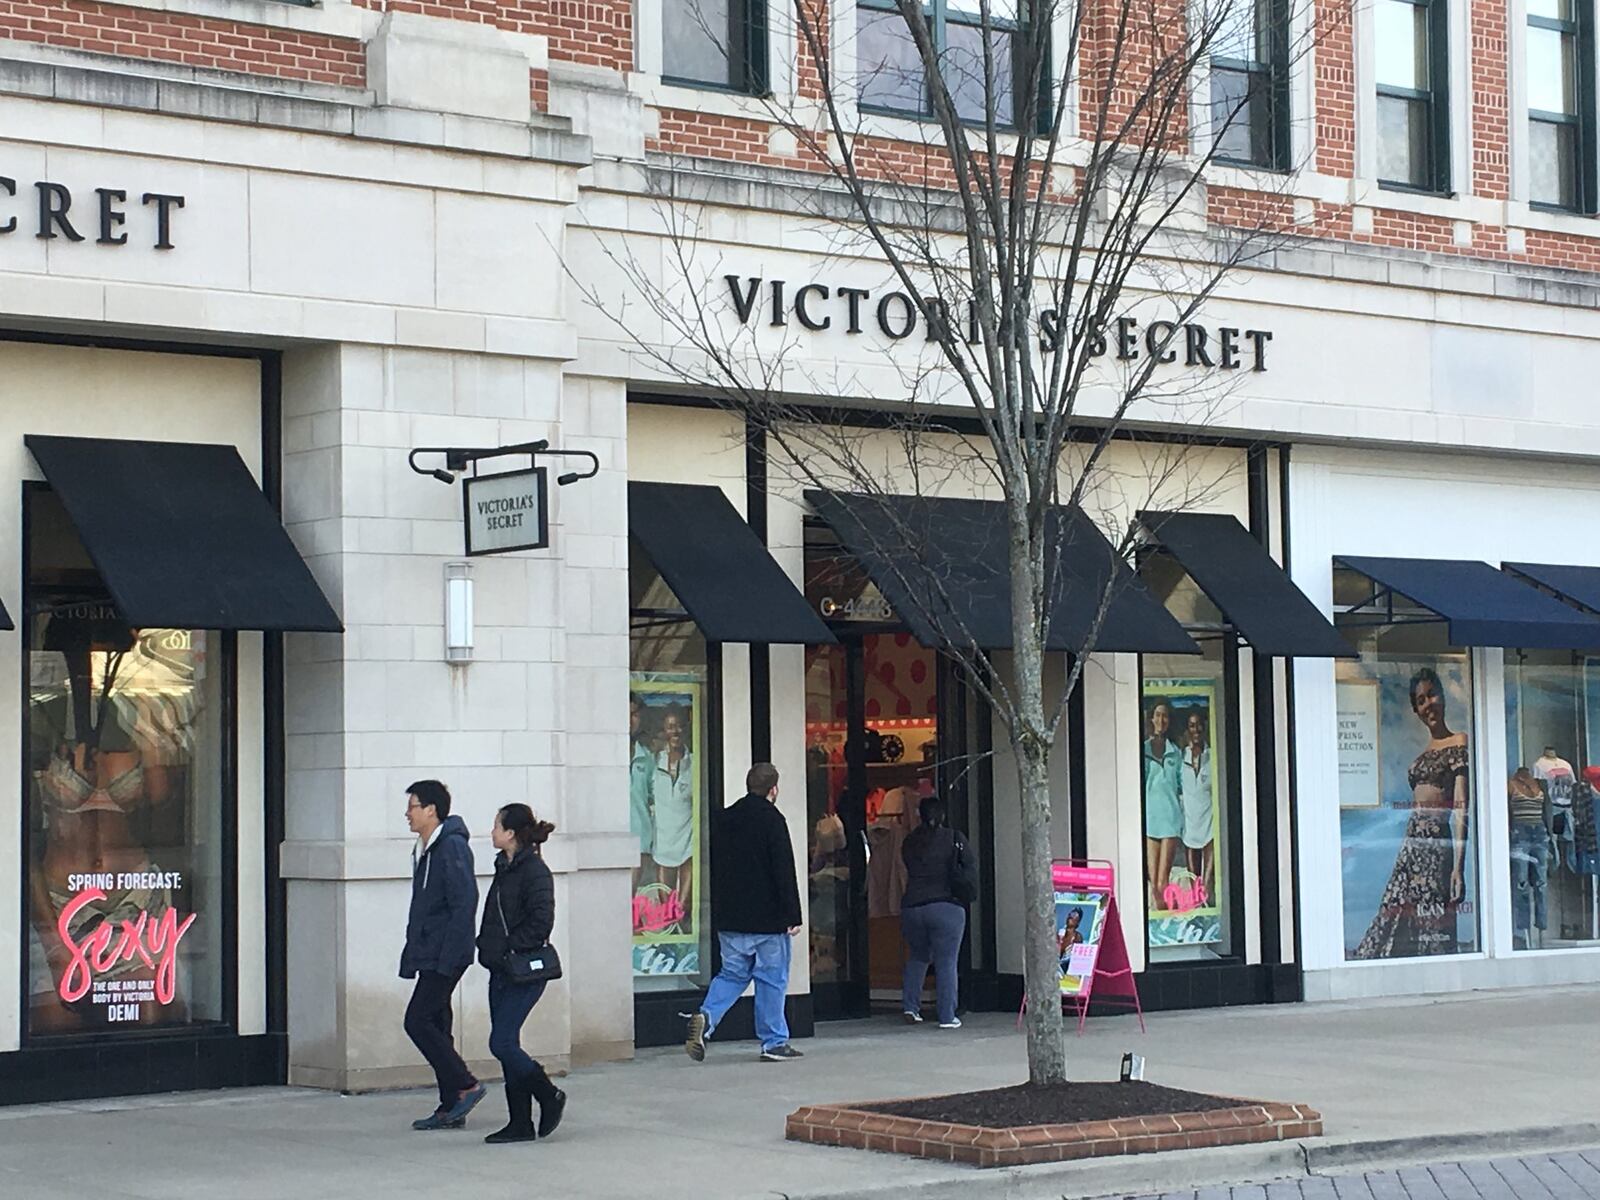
842, 1125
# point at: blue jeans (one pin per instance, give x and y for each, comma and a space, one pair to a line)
1530, 869
933, 934
763, 957
509, 1006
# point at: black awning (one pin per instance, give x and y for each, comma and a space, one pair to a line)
182, 535
1483, 606
1236, 572
1580, 585
5, 619
717, 568
942, 564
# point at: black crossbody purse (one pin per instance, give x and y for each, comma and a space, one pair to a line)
527, 966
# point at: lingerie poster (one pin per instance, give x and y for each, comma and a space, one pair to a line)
1410, 888
124, 825
667, 806
1182, 786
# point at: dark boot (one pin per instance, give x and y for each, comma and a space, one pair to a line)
552, 1101
519, 1104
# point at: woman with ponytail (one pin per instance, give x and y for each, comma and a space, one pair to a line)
519, 915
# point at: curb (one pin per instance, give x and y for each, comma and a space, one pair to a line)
1151, 1174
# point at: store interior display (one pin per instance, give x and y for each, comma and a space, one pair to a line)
1553, 863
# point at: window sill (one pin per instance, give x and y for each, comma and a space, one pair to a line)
722, 102
331, 18
1368, 193
1520, 215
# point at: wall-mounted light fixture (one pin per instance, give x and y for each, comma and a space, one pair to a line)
458, 612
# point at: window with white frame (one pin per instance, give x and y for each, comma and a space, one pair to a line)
715, 44
889, 71
1560, 97
1412, 70
1249, 83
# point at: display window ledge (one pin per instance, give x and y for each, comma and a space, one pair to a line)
1367, 964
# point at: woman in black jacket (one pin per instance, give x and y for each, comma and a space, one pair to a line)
932, 918
518, 915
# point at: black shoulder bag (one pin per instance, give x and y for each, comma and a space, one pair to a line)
526, 966
963, 873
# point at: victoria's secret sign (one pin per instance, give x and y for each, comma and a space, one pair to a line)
815, 306
51, 211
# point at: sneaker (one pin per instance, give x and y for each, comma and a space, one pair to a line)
783, 1053
439, 1118
952, 1023
694, 1043
465, 1103
911, 1018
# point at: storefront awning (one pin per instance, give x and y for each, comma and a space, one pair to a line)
717, 567
182, 535
1580, 585
1257, 598
1483, 606
942, 564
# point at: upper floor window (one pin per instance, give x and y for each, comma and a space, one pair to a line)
715, 43
889, 70
1560, 97
1249, 84
1413, 96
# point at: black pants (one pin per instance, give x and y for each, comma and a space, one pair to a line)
428, 1021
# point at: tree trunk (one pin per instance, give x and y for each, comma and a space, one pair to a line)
1047, 1051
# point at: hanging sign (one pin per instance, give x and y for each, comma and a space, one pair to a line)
507, 512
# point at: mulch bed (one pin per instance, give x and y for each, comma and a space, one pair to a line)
1016, 1126
1055, 1104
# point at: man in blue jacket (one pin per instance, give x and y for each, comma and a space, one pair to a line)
440, 945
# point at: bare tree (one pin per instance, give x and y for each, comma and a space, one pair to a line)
1052, 229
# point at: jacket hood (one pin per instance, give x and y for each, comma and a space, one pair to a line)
453, 826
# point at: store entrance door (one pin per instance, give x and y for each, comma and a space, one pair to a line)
873, 751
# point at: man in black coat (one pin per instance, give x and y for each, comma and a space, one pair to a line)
755, 903
440, 945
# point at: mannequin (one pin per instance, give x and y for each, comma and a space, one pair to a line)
1557, 775
1530, 811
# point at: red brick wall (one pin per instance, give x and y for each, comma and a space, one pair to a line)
193, 41
1491, 100
1334, 82
598, 33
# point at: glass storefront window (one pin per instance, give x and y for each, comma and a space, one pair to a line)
1553, 789
668, 789
1185, 777
1406, 812
124, 804
1187, 833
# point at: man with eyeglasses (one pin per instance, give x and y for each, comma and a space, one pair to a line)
440, 944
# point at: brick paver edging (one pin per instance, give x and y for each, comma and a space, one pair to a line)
842, 1125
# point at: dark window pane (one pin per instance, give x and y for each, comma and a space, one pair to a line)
1404, 154
963, 67
1231, 105
888, 69
1553, 163
1552, 76
1402, 37
702, 40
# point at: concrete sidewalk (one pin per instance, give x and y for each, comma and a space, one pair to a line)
1423, 1079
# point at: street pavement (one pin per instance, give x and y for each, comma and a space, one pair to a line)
1415, 1080
1574, 1175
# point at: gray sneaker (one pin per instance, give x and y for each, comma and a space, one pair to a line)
783, 1053
694, 1043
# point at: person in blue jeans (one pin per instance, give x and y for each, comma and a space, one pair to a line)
519, 915
755, 904
932, 919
